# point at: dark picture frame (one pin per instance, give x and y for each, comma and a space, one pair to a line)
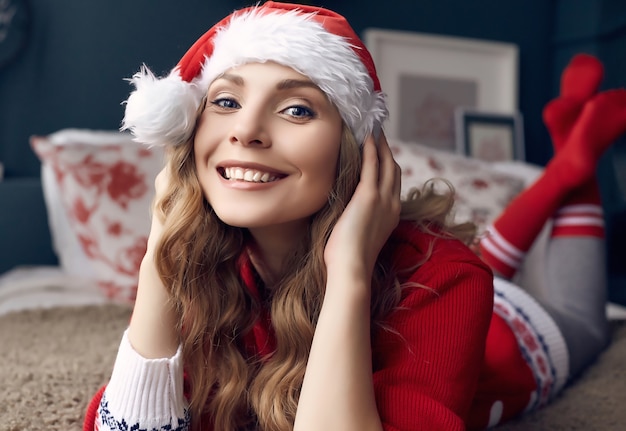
489, 136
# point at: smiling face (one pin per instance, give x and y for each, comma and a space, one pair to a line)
266, 147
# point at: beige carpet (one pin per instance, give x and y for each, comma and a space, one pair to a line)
52, 361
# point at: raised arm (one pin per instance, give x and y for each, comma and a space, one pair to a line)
146, 387
337, 391
152, 331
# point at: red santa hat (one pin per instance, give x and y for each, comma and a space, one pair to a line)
316, 42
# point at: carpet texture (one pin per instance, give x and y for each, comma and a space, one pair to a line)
53, 361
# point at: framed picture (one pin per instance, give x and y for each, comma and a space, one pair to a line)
488, 136
427, 77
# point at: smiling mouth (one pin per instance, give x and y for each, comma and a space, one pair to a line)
248, 175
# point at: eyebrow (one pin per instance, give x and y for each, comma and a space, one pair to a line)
296, 83
285, 84
235, 79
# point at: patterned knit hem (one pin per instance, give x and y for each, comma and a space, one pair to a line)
540, 340
105, 420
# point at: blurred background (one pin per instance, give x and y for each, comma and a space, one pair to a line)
65, 63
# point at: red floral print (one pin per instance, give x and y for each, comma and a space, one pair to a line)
125, 183
90, 246
80, 211
130, 258
114, 229
90, 173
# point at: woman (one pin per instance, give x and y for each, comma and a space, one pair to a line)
285, 284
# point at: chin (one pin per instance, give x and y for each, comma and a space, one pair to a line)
259, 220
244, 219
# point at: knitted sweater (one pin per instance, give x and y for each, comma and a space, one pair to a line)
446, 365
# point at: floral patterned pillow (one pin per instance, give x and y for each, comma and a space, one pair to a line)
105, 183
481, 192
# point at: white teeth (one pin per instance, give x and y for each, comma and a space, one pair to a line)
248, 175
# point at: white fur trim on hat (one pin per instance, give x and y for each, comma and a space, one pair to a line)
163, 111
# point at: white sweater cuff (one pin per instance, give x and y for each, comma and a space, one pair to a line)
146, 391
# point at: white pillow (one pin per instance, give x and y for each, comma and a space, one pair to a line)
65, 243
99, 186
481, 192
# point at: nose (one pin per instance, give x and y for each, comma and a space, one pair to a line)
250, 128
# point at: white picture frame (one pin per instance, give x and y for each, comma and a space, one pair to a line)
426, 77
489, 136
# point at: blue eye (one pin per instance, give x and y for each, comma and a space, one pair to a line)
299, 111
226, 103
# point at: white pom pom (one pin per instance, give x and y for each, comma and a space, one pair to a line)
161, 111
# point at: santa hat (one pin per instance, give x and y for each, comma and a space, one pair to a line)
316, 42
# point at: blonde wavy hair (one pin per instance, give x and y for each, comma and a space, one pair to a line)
197, 259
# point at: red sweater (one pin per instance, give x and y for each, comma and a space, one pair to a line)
451, 360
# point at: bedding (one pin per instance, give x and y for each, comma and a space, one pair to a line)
46, 287
98, 186
482, 190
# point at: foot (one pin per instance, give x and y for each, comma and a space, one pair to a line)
579, 82
559, 116
601, 122
581, 78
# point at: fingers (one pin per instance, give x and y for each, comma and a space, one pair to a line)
162, 178
389, 169
370, 163
380, 172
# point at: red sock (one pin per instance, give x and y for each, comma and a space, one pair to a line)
559, 116
570, 127
579, 82
579, 220
512, 234
601, 122
581, 78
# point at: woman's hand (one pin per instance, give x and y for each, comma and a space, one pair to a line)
341, 354
372, 213
160, 185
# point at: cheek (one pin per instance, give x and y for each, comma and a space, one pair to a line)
204, 143
330, 157
321, 165
328, 167
199, 139
202, 150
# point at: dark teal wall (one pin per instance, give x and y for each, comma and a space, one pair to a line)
71, 74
